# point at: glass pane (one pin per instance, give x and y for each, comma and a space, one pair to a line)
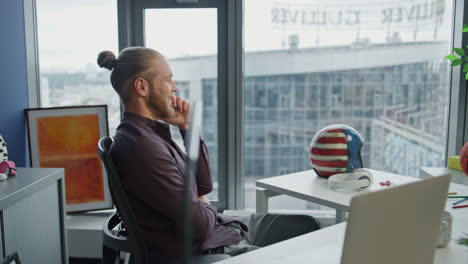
191, 49
377, 66
68, 49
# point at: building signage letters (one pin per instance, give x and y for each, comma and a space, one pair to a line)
408, 14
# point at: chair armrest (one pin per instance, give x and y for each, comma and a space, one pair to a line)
111, 238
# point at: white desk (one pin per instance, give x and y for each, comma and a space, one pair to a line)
324, 246
306, 185
457, 176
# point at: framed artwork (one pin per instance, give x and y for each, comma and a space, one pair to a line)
67, 137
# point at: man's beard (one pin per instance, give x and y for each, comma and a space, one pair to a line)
159, 106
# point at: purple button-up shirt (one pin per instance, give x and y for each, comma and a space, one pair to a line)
151, 167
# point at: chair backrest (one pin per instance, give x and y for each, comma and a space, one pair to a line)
137, 244
11, 259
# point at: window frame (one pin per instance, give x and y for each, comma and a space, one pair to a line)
32, 52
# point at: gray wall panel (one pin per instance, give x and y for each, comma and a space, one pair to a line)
32, 227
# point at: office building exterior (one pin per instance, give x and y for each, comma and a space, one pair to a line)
397, 103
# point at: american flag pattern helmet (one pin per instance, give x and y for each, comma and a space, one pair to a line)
336, 149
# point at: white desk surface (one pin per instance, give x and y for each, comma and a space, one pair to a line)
457, 176
324, 246
306, 185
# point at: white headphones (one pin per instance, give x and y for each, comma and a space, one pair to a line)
359, 179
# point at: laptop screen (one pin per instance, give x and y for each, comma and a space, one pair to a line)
396, 225
192, 136
192, 145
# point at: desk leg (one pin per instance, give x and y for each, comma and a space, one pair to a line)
262, 201
340, 216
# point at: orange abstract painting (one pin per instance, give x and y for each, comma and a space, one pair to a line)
70, 142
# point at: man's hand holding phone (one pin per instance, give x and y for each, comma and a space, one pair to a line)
182, 111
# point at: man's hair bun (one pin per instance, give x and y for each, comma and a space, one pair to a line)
106, 59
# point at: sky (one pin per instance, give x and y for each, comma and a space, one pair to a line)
71, 33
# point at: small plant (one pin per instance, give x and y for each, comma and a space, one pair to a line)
461, 58
463, 240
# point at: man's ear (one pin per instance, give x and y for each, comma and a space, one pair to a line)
141, 86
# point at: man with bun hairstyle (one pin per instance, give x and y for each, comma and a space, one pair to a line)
151, 166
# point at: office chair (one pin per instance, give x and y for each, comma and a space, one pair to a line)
11, 259
128, 237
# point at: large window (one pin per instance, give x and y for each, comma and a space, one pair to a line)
70, 36
377, 66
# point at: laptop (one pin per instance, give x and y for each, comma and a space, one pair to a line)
397, 225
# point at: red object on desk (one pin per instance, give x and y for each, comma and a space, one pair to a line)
460, 206
464, 158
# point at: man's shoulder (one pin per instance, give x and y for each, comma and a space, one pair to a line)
137, 143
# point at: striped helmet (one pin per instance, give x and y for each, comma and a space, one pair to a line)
336, 149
